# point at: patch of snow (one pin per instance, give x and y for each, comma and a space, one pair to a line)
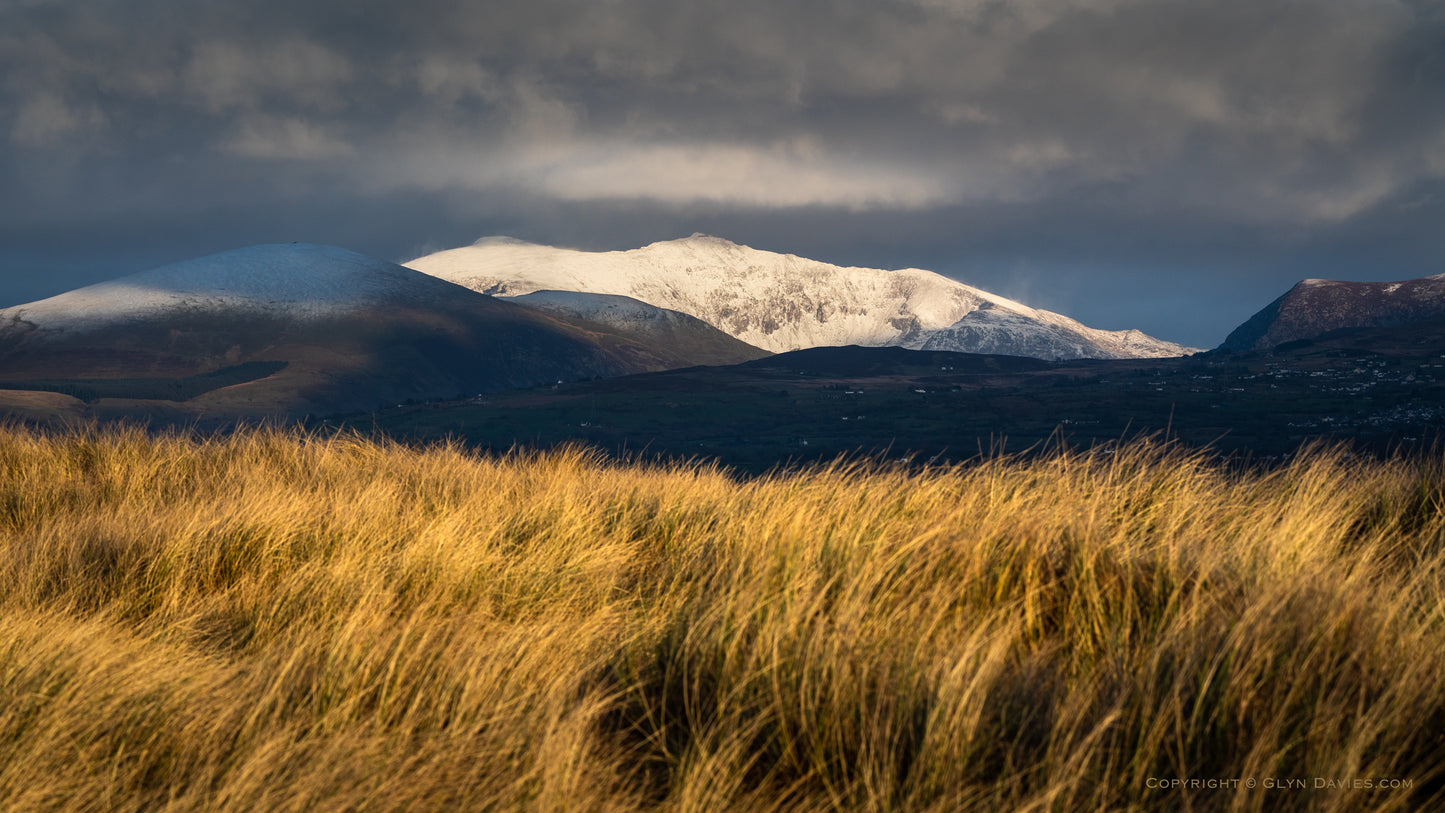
608, 309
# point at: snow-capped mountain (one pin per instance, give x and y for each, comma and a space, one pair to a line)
329, 329
299, 281
1314, 307
782, 302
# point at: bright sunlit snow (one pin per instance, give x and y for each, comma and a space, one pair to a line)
782, 302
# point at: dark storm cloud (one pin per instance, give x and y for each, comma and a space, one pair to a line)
998, 134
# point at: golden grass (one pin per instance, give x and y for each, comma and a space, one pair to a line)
276, 621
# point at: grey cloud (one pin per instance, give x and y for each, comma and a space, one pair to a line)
224, 75
42, 117
1005, 99
288, 138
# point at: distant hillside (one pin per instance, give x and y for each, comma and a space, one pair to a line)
1380, 389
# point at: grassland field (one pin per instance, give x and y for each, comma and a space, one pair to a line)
290, 621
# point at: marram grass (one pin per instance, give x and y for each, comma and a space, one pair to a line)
280, 621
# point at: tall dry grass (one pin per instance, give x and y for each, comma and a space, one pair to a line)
274, 621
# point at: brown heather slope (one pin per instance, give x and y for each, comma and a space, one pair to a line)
276, 621
1315, 307
361, 360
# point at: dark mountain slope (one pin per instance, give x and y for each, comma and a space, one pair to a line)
1315, 307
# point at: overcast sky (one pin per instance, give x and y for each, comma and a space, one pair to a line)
1171, 165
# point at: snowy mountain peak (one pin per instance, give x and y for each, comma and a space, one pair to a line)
783, 302
698, 238
297, 280
701, 247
